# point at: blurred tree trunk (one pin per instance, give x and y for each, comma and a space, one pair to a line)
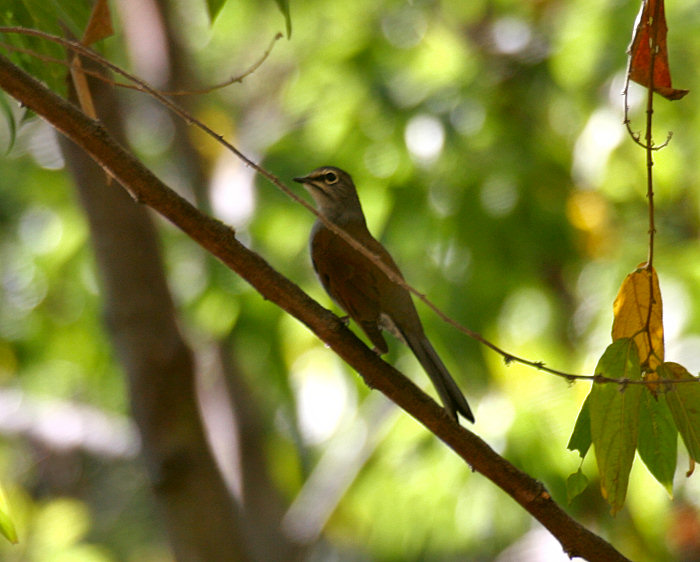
260, 500
202, 520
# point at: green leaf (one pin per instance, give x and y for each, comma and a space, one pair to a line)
11, 125
214, 7
581, 436
684, 402
55, 18
615, 420
284, 8
7, 527
575, 484
658, 439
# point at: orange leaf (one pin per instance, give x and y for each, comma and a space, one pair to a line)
651, 27
100, 24
82, 89
638, 294
99, 27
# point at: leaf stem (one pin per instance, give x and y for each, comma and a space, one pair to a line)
653, 51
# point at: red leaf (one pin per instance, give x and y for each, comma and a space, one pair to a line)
650, 28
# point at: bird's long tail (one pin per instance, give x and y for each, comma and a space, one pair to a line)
446, 387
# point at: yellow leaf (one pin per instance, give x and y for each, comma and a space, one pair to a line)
638, 295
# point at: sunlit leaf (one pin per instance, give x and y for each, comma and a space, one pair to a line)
651, 22
639, 292
7, 526
214, 7
581, 436
614, 414
684, 402
658, 438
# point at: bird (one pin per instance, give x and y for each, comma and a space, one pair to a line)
359, 286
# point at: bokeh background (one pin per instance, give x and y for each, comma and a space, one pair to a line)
487, 142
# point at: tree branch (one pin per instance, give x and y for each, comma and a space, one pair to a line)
202, 520
220, 240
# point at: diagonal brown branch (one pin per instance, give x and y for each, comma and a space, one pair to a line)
145, 87
220, 240
180, 112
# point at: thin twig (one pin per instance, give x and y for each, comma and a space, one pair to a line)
231, 80
143, 86
649, 141
648, 137
107, 80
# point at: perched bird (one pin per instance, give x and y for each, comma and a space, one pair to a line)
361, 288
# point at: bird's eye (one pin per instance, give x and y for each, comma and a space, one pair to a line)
330, 177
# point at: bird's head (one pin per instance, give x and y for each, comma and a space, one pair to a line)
334, 193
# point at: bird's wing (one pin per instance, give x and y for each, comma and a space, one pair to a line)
350, 281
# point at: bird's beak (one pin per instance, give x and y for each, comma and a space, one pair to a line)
311, 184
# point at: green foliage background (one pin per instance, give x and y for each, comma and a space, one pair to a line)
520, 224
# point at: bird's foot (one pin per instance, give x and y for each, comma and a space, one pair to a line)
345, 320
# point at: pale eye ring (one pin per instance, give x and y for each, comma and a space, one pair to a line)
330, 177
